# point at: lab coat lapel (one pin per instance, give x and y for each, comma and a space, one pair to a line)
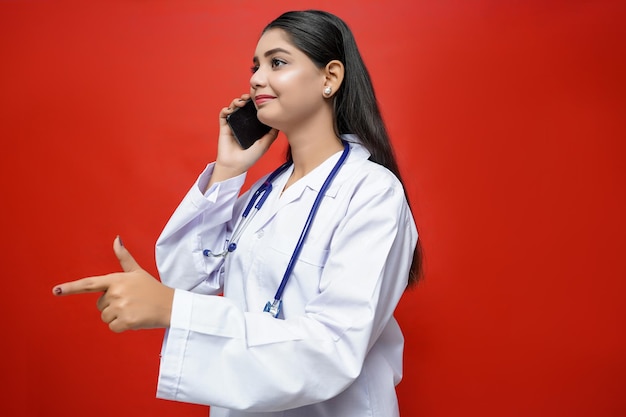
276, 202
312, 182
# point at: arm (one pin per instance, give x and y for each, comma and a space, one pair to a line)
133, 299
200, 221
203, 219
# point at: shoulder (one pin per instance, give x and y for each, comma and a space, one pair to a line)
367, 176
364, 185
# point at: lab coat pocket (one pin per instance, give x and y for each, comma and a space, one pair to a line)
304, 279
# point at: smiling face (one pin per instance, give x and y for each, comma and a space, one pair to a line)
286, 86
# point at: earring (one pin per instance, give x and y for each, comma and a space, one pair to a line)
327, 91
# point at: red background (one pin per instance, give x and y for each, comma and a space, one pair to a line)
508, 118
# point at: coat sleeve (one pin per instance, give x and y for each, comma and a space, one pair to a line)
214, 353
202, 220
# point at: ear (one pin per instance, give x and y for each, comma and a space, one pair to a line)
333, 73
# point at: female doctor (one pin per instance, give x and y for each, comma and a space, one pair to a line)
305, 332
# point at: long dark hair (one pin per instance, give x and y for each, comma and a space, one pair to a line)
324, 37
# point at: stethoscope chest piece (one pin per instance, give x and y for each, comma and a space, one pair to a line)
274, 308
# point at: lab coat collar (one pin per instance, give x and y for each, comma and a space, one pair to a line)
314, 179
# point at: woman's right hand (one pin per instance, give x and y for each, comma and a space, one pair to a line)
232, 160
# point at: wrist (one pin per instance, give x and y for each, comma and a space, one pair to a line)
166, 317
223, 172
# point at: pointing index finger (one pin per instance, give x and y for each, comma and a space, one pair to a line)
84, 285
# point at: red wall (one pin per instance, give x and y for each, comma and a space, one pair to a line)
508, 118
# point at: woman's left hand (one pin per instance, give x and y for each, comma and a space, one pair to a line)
132, 299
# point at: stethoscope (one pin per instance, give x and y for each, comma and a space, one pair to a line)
255, 204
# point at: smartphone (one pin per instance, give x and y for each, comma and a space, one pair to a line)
246, 128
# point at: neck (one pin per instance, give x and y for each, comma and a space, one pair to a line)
312, 143
309, 154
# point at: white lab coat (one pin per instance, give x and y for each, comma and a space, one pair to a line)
338, 350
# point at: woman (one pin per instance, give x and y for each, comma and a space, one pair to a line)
327, 345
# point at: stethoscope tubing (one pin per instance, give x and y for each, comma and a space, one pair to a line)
255, 204
309, 221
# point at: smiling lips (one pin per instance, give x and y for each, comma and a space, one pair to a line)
262, 98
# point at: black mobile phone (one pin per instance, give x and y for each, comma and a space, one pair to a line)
245, 125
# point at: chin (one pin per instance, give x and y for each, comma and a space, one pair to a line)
270, 121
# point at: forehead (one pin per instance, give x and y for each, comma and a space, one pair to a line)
272, 39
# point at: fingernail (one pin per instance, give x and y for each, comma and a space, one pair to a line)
58, 291
119, 239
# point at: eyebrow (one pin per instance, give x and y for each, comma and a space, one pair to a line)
271, 52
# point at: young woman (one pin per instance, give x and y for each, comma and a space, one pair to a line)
298, 332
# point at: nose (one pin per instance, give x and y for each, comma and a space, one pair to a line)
258, 78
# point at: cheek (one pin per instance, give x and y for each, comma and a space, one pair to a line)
294, 82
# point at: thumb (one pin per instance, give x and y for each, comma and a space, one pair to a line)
127, 261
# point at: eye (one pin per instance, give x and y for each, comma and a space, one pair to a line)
254, 68
276, 62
